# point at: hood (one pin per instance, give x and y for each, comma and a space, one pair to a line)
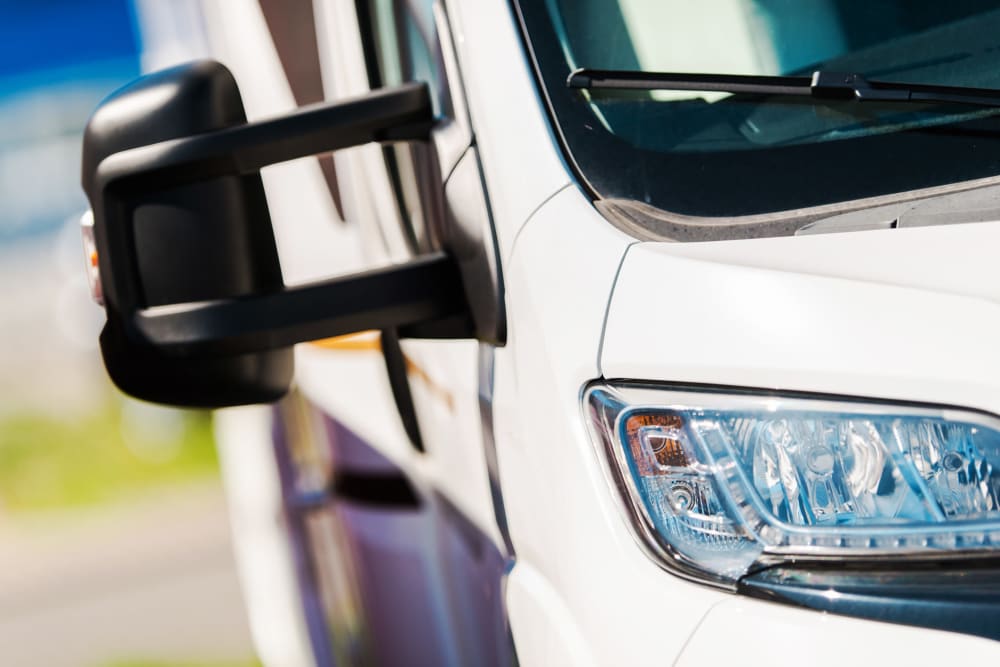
905, 314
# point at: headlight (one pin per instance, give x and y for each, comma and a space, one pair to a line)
721, 483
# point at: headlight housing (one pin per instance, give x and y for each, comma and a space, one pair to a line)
721, 483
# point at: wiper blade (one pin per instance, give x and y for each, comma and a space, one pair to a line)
821, 85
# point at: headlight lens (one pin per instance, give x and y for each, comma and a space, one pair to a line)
722, 481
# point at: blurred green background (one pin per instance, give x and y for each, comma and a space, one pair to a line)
106, 455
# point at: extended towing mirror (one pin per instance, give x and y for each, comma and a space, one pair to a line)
197, 312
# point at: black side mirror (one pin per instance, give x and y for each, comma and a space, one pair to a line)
197, 313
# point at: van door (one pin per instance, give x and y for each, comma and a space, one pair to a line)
442, 204
449, 381
406, 558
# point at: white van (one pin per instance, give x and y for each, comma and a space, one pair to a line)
626, 332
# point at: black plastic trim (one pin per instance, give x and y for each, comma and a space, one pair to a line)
366, 25
376, 490
395, 366
397, 114
964, 599
422, 290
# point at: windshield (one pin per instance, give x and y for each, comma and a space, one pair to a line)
700, 154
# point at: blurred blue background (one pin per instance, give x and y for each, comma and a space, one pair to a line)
58, 35
58, 58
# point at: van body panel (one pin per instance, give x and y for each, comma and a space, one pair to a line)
521, 159
518, 520
584, 570
731, 633
899, 314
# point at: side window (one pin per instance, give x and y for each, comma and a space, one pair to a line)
401, 44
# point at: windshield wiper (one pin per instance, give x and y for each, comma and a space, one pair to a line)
821, 85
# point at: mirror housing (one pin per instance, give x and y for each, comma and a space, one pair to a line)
197, 312
191, 242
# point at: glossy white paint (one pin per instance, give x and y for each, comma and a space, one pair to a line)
263, 554
521, 160
903, 314
312, 243
545, 629
353, 386
445, 394
742, 631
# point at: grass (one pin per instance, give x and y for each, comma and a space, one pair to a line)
160, 663
52, 463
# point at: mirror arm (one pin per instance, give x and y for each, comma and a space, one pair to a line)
400, 113
424, 289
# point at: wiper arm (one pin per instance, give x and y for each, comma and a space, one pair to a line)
821, 85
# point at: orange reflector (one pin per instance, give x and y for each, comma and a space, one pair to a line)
364, 341
90, 257
655, 441
371, 341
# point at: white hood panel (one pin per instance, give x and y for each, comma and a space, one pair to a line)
911, 314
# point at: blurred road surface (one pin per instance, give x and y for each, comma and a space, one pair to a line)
152, 580
49, 361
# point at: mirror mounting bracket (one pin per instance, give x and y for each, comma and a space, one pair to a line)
424, 290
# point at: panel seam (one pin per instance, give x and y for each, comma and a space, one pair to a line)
607, 308
534, 211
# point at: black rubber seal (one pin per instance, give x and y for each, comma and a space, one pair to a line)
388, 491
